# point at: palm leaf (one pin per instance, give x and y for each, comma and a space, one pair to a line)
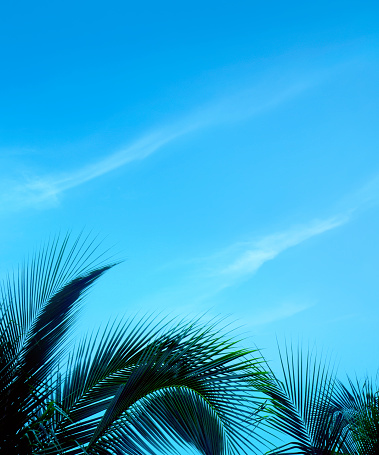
137, 387
129, 376
301, 406
358, 405
38, 308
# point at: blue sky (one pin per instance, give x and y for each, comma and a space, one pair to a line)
228, 150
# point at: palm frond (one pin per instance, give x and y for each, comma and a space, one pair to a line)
125, 373
301, 403
38, 308
138, 387
358, 405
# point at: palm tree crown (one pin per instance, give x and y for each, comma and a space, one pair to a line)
317, 414
139, 387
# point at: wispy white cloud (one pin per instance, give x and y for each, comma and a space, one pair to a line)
365, 197
45, 191
278, 312
243, 259
201, 281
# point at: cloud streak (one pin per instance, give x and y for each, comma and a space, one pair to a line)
200, 281
246, 258
45, 191
283, 310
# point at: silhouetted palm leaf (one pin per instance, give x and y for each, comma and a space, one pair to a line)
301, 406
37, 311
146, 380
136, 388
358, 404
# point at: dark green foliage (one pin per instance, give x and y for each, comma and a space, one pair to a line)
316, 413
137, 388
358, 405
300, 406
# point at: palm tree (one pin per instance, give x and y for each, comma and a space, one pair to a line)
302, 407
138, 387
358, 405
317, 413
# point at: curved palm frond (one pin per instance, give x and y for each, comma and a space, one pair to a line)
37, 310
301, 406
136, 388
358, 404
155, 376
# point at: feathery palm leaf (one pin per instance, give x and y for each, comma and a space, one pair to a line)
358, 405
36, 314
150, 380
300, 406
137, 388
